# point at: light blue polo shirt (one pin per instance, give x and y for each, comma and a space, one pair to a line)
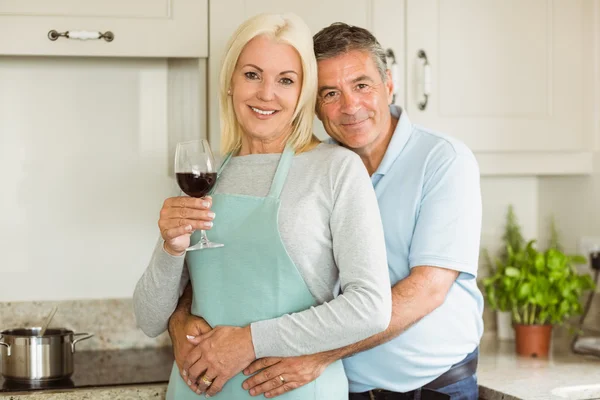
430, 202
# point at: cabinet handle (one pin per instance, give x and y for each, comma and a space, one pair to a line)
426, 84
395, 72
81, 35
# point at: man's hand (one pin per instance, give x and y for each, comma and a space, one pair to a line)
220, 355
185, 329
280, 375
184, 335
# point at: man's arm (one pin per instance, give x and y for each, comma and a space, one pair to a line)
184, 326
182, 311
413, 298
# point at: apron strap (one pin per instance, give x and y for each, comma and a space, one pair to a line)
283, 167
224, 163
221, 168
285, 162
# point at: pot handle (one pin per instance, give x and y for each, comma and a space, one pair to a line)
7, 347
85, 336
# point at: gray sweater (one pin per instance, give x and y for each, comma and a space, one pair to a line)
330, 225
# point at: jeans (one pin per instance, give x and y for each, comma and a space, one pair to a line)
466, 389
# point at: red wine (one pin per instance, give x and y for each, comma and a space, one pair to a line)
196, 185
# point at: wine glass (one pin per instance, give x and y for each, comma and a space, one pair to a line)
196, 174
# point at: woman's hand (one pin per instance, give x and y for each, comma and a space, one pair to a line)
180, 217
280, 375
224, 352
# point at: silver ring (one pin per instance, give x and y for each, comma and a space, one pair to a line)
281, 379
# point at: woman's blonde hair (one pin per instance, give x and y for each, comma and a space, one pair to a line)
284, 28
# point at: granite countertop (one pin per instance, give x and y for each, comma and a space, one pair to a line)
503, 375
129, 392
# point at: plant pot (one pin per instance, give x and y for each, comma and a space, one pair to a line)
533, 340
504, 328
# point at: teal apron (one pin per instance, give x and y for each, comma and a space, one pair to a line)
251, 278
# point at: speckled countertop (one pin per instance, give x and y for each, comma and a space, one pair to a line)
503, 375
138, 392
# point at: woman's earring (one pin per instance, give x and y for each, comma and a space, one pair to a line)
229, 92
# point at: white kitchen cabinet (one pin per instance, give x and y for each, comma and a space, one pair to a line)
510, 78
316, 13
142, 28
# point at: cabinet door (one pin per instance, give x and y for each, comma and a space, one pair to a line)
149, 28
506, 75
316, 13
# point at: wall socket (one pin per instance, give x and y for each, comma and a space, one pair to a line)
587, 245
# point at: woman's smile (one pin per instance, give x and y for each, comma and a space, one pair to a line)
263, 113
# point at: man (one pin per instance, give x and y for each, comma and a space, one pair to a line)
428, 191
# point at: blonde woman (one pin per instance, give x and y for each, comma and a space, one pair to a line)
303, 269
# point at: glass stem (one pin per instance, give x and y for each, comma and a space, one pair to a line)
203, 238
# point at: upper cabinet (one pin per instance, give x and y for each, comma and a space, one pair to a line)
148, 28
510, 78
506, 77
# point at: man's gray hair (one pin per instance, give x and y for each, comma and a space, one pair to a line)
340, 38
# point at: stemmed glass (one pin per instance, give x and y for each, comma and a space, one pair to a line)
196, 174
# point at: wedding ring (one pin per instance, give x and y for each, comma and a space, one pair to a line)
206, 381
281, 379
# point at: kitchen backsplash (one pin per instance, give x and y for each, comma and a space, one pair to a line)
111, 321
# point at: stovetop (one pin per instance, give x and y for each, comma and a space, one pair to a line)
107, 368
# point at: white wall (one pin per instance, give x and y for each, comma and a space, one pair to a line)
497, 193
575, 204
83, 173
575, 201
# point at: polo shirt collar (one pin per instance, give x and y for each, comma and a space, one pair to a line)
399, 139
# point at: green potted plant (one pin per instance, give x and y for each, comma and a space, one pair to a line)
540, 289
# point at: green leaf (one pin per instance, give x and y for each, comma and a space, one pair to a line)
578, 259
524, 291
512, 272
490, 281
540, 263
553, 262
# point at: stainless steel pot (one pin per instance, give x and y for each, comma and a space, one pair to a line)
26, 357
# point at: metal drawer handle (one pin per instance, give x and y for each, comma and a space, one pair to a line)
81, 35
426, 79
7, 347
